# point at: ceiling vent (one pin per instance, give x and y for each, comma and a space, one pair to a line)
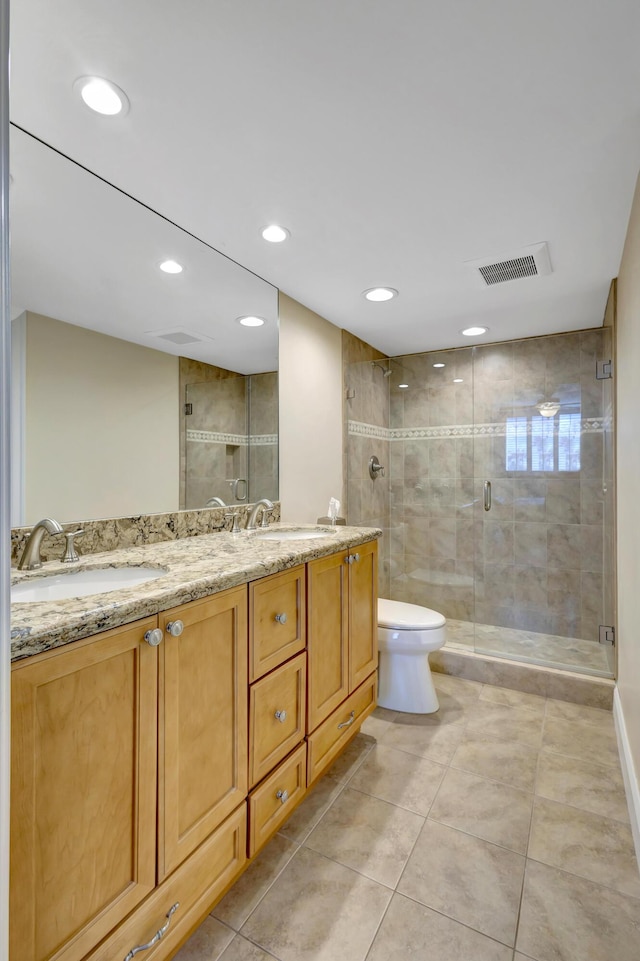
528, 262
178, 336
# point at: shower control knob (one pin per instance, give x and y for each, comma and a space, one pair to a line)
175, 628
281, 618
154, 637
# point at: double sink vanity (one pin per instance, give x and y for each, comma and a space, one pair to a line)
163, 729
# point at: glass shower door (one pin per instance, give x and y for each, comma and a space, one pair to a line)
538, 511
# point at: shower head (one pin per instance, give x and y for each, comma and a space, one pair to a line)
386, 371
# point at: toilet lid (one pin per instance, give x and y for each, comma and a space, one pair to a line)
407, 617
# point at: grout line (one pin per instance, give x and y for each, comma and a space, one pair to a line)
581, 877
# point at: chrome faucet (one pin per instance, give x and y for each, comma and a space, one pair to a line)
264, 505
30, 560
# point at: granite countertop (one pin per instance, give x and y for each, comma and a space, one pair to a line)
195, 567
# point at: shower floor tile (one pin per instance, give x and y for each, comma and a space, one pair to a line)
550, 650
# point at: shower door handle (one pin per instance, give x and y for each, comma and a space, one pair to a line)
487, 495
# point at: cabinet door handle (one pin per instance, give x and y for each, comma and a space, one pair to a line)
158, 936
281, 618
281, 716
154, 637
356, 557
352, 718
349, 559
175, 628
282, 796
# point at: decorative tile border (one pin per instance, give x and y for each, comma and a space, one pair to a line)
239, 440
590, 425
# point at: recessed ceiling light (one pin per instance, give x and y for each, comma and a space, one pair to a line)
458, 380
251, 321
438, 365
474, 331
403, 386
275, 234
102, 96
171, 267
380, 294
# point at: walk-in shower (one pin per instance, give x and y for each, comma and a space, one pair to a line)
500, 493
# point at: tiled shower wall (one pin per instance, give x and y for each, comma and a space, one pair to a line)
535, 561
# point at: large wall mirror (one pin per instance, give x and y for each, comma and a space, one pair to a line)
134, 390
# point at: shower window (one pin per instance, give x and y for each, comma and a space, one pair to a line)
543, 443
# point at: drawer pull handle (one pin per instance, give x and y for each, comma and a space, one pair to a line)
352, 718
175, 628
158, 936
154, 637
281, 618
281, 716
282, 796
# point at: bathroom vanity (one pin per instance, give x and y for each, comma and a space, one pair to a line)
154, 756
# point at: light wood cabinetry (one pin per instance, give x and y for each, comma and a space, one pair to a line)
145, 775
202, 722
277, 624
276, 716
342, 592
83, 792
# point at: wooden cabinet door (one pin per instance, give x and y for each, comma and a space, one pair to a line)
83, 784
327, 636
363, 613
202, 723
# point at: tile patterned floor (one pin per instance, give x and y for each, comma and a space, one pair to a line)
532, 647
494, 830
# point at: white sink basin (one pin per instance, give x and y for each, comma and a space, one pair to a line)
57, 587
292, 535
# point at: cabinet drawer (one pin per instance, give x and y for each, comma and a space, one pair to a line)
277, 705
327, 741
273, 641
195, 886
267, 811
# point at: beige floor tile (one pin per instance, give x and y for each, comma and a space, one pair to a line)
237, 905
484, 808
504, 695
581, 739
413, 932
375, 727
424, 735
206, 943
469, 880
305, 817
242, 950
579, 712
457, 688
510, 762
565, 918
582, 784
331, 912
508, 723
367, 834
593, 847
404, 779
351, 758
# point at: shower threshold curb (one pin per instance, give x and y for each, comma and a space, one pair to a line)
531, 678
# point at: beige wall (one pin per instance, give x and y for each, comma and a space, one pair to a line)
628, 471
310, 412
101, 425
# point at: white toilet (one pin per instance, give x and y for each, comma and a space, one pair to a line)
406, 635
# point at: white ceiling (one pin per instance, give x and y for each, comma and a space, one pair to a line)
395, 140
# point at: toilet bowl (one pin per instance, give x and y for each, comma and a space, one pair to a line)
406, 635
